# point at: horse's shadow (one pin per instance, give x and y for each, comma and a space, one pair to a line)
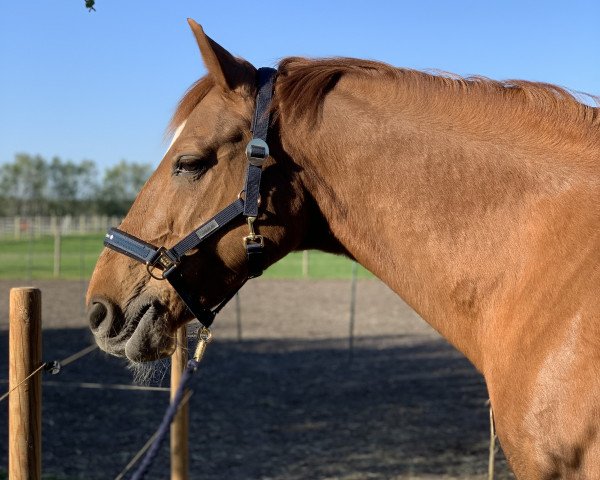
279, 409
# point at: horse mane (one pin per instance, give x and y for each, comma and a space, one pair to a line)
302, 85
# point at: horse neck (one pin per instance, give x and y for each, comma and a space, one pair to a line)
440, 205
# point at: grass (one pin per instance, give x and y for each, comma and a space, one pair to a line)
33, 259
320, 265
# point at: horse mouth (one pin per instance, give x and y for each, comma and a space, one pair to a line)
141, 334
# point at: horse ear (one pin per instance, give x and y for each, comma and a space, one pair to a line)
229, 72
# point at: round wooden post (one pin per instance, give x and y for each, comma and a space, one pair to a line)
25, 403
238, 315
17, 224
179, 427
305, 263
57, 251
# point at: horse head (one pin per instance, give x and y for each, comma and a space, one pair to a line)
134, 314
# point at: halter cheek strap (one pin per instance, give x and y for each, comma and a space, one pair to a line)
168, 261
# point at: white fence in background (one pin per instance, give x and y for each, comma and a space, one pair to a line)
37, 226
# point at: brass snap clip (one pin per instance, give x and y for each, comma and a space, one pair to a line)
253, 237
204, 337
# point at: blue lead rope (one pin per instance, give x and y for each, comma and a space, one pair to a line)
204, 337
163, 429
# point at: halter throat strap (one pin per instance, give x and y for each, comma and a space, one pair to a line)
168, 261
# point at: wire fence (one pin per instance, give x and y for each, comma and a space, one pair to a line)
37, 226
40, 248
24, 387
55, 367
59, 256
51, 247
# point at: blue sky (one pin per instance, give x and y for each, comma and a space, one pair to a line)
103, 85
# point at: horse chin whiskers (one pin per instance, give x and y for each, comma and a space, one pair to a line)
148, 373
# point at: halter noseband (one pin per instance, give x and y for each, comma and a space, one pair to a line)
169, 260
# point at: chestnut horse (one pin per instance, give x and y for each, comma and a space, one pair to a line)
476, 201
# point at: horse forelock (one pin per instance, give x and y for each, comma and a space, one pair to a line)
192, 97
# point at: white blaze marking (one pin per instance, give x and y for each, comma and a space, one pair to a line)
176, 134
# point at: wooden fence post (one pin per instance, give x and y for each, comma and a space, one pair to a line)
37, 226
179, 427
25, 403
17, 227
238, 315
57, 252
305, 263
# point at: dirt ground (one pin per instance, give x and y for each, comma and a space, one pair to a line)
288, 401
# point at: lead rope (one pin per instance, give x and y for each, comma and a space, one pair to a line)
204, 337
492, 445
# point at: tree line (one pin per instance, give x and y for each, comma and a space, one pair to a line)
32, 185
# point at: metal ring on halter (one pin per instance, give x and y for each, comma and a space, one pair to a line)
150, 267
165, 259
257, 151
244, 191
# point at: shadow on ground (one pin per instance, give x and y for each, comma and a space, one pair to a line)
276, 409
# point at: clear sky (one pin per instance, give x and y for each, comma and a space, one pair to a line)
102, 85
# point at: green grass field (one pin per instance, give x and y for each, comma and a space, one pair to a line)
34, 259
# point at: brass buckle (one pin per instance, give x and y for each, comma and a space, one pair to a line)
253, 237
164, 261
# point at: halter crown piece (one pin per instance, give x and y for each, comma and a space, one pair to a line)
168, 261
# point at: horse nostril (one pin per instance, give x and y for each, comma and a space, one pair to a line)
97, 313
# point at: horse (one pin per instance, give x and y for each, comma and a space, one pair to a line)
477, 201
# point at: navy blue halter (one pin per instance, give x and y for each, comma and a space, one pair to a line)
168, 261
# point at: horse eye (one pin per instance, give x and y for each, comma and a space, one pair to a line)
194, 165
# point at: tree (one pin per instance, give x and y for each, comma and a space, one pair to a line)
30, 185
24, 183
120, 186
72, 186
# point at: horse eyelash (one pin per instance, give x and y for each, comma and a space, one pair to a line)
198, 166
195, 174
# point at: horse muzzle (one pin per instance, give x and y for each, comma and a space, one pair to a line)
140, 333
